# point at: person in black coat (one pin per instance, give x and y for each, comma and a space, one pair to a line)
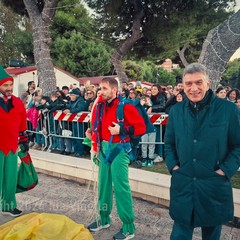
158, 100
202, 152
77, 105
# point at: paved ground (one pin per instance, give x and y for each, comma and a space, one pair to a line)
55, 195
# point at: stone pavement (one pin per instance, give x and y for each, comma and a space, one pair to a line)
55, 195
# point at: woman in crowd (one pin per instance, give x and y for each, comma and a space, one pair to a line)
221, 92
158, 100
232, 95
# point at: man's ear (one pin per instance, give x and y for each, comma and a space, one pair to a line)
209, 83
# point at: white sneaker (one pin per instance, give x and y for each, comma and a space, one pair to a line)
31, 144
158, 159
37, 146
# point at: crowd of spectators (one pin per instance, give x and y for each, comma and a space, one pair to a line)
67, 136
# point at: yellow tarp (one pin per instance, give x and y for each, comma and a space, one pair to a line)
44, 226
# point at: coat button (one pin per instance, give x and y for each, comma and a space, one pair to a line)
195, 141
194, 178
194, 160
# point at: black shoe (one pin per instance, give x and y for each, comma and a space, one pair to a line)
67, 153
14, 213
62, 152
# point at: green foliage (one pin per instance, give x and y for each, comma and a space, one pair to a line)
76, 46
24, 45
149, 72
231, 76
178, 72
72, 18
167, 25
10, 36
164, 77
81, 57
133, 70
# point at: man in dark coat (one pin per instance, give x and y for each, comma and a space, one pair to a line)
76, 105
202, 149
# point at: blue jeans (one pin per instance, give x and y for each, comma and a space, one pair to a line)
183, 232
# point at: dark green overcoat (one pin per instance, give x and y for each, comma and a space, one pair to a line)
202, 139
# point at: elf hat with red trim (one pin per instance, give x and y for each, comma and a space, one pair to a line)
4, 76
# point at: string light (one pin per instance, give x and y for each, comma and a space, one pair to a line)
235, 34
41, 49
40, 31
40, 60
213, 72
228, 50
215, 51
44, 71
41, 27
45, 39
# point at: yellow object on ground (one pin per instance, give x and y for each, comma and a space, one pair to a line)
44, 226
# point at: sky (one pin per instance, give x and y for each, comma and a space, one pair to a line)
238, 5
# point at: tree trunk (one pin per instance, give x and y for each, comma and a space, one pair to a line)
41, 43
219, 46
182, 56
118, 55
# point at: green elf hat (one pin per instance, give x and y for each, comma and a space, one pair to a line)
4, 76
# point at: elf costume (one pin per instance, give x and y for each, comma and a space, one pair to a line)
114, 170
12, 129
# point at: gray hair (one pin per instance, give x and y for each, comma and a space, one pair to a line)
196, 68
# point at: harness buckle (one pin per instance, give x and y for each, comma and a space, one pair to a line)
120, 120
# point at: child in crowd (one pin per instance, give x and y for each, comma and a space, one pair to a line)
42, 123
148, 139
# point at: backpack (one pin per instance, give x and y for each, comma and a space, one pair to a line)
132, 146
134, 140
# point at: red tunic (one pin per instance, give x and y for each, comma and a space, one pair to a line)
131, 118
11, 124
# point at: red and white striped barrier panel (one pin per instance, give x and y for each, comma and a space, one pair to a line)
156, 119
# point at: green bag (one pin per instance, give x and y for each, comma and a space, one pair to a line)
27, 175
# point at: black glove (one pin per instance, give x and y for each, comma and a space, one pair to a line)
23, 141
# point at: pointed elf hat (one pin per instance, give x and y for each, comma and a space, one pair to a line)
4, 76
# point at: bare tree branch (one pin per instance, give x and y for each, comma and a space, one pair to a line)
118, 55
182, 55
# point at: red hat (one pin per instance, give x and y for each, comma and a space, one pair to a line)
4, 76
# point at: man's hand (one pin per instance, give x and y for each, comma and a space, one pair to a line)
175, 168
220, 172
88, 133
115, 129
66, 111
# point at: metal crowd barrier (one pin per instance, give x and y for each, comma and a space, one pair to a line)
51, 125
